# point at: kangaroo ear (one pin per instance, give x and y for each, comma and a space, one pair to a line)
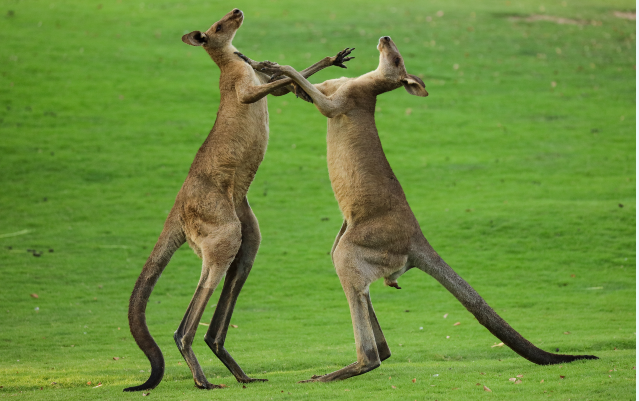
414, 85
195, 38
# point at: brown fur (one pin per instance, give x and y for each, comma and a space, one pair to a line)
211, 211
380, 237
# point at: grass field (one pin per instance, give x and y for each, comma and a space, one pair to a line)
520, 167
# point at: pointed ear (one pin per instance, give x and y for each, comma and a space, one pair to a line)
195, 38
414, 85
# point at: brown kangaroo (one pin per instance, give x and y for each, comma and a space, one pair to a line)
211, 211
380, 236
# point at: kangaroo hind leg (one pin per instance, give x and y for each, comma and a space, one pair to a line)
352, 273
235, 278
218, 251
382, 346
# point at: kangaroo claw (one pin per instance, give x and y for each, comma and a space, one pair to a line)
341, 58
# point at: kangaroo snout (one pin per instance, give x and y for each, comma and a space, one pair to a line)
384, 42
236, 15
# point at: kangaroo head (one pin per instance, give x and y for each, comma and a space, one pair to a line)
392, 69
219, 36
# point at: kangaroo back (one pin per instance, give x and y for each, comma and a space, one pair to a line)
171, 238
426, 259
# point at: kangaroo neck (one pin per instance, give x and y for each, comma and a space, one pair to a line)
223, 56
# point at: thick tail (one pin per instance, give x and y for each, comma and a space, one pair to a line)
429, 261
170, 240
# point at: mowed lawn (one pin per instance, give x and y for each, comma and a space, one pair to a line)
520, 167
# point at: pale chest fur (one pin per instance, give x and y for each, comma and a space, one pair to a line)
236, 146
362, 180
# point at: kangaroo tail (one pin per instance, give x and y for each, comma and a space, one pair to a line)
429, 261
170, 240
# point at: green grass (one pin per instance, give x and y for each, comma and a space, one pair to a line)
517, 182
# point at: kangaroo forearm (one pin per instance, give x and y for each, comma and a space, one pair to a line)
254, 93
317, 67
307, 72
324, 104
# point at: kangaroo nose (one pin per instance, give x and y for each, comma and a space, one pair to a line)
386, 38
236, 11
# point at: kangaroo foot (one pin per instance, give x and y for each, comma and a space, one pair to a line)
354, 369
250, 380
312, 379
207, 386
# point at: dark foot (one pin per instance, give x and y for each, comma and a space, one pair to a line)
354, 369
313, 378
251, 380
207, 386
229, 362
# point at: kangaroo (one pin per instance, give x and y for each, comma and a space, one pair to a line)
211, 211
380, 236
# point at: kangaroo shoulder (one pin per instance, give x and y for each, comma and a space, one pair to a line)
332, 86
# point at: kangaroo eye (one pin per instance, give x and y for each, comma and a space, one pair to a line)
219, 28
397, 60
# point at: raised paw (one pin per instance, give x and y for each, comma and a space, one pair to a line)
263, 64
341, 57
269, 68
300, 93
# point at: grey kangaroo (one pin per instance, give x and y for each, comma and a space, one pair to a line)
380, 236
211, 211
